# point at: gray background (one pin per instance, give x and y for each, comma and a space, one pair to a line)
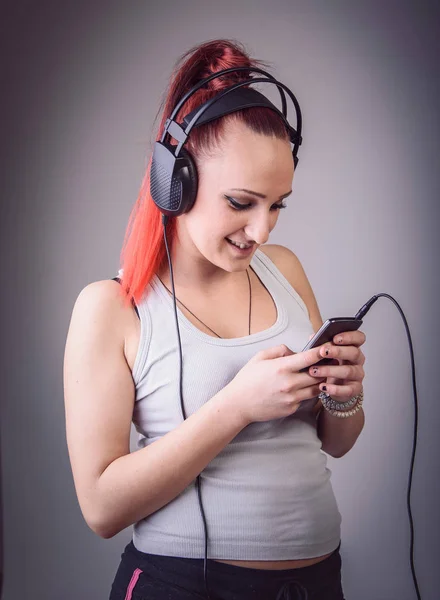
82, 84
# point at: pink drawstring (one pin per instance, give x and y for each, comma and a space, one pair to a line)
132, 583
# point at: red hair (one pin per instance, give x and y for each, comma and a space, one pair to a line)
143, 250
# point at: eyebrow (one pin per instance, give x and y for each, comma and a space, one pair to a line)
257, 193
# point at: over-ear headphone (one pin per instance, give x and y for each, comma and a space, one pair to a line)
173, 176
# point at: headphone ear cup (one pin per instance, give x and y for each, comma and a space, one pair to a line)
186, 173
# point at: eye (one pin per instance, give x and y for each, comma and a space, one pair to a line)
238, 206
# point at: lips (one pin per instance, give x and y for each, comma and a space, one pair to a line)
241, 252
247, 244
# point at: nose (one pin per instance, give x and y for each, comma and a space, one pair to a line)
260, 226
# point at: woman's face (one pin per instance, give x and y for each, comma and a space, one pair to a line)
248, 161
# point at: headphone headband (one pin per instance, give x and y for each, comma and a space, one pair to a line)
243, 99
228, 103
219, 74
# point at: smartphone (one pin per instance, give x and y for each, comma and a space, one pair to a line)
327, 332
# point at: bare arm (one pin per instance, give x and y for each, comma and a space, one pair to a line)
137, 484
116, 488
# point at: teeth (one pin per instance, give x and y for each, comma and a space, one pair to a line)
239, 245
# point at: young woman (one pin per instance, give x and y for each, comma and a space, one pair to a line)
255, 430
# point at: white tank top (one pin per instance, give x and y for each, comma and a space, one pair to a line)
267, 495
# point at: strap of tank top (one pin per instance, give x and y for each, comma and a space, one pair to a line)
132, 301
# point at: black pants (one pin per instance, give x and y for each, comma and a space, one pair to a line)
142, 576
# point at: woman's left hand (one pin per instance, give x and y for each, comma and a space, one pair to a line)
345, 375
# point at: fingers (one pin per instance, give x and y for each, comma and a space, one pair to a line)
346, 372
352, 354
301, 360
303, 381
350, 338
343, 392
304, 394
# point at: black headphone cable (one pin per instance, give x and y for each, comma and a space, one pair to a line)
198, 481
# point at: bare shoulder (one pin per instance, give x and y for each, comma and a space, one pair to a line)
104, 291
97, 292
290, 266
100, 303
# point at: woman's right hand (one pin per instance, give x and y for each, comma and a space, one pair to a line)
270, 386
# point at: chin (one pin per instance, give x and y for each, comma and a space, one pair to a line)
240, 264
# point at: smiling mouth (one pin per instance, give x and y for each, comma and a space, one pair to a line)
242, 246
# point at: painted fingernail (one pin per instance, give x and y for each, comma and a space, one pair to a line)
339, 340
315, 371
324, 388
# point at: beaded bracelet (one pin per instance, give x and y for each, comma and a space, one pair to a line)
339, 409
333, 404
